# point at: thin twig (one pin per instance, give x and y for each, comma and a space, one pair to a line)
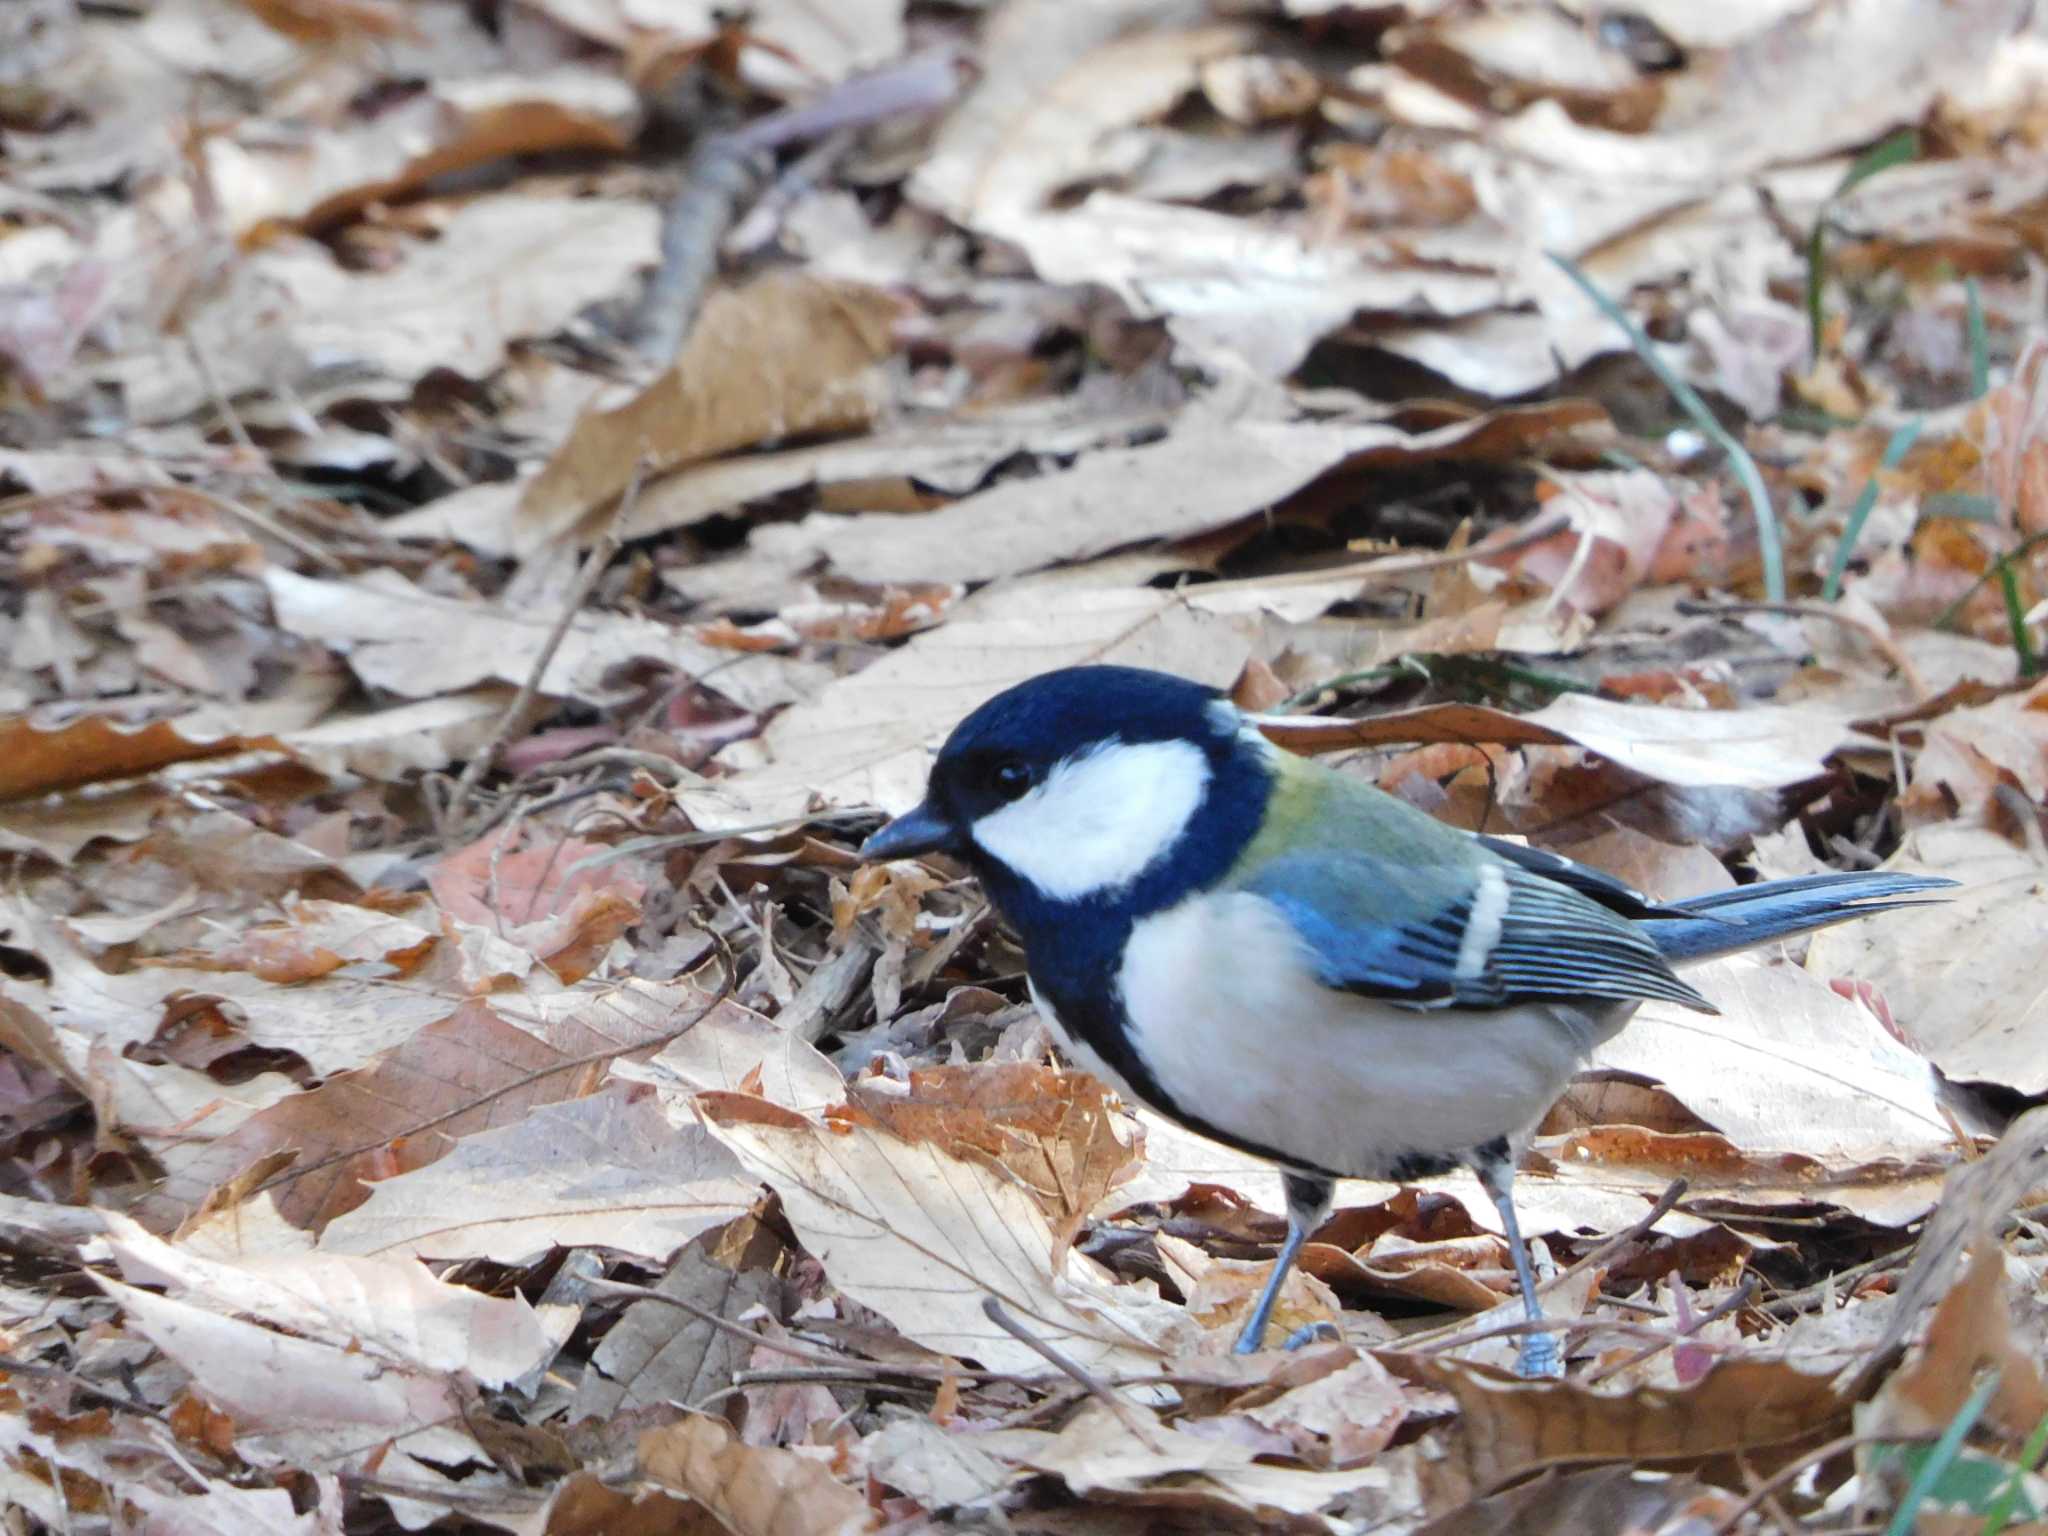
1673, 1193
1793, 1470
992, 1309
1741, 1297
1882, 643
1795, 1302
594, 563
79, 1383
720, 173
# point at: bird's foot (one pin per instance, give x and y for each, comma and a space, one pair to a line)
1539, 1358
1324, 1332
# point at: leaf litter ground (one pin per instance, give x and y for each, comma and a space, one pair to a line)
495, 499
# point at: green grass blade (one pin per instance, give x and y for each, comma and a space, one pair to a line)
1894, 453
2016, 618
2026, 546
1882, 156
2000, 1514
1769, 545
1898, 149
1816, 280
1944, 1452
1980, 341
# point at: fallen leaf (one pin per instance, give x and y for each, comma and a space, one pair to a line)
922, 1237
1509, 1426
787, 356
866, 739
1788, 1066
657, 1354
447, 125
392, 1309
377, 622
754, 1491
1960, 975
1097, 1454
600, 1172
1759, 746
500, 269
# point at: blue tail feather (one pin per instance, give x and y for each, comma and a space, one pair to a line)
1726, 921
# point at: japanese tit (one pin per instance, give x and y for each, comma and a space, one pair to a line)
1285, 959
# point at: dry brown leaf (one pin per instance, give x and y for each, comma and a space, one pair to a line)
600, 1172
308, 1403
226, 1510
865, 740
793, 46
1789, 1066
531, 892
377, 620
501, 269
1617, 1499
1971, 1330
1968, 753
754, 1491
656, 1354
1219, 1293
317, 177
1059, 79
1510, 1426
38, 758
736, 1050
1097, 1454
1215, 468
1759, 746
922, 1237
1963, 977
1058, 1134
409, 976
786, 356
388, 744
390, 1308
479, 1067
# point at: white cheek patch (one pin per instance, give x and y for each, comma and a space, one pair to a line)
1099, 820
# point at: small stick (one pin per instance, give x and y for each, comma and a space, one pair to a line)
593, 567
1665, 1203
1094, 1385
1791, 1472
1742, 1296
1881, 642
1673, 1193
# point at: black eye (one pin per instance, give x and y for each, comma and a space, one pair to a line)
1009, 777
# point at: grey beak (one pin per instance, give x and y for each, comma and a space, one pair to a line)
918, 830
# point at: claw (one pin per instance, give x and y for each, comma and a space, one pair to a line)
1324, 1332
1539, 1358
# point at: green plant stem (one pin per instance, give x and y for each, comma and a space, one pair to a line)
2026, 546
1999, 1515
1894, 453
1770, 546
1980, 341
2016, 619
1938, 1460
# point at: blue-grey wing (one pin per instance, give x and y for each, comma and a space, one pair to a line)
1483, 935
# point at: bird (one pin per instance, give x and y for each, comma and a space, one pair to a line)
1286, 959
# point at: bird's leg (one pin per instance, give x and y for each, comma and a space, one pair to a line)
1538, 1354
1308, 1202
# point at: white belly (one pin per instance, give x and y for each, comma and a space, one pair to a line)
1228, 1015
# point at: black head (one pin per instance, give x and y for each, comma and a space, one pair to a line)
1077, 781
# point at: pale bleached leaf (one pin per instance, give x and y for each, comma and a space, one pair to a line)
923, 1238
